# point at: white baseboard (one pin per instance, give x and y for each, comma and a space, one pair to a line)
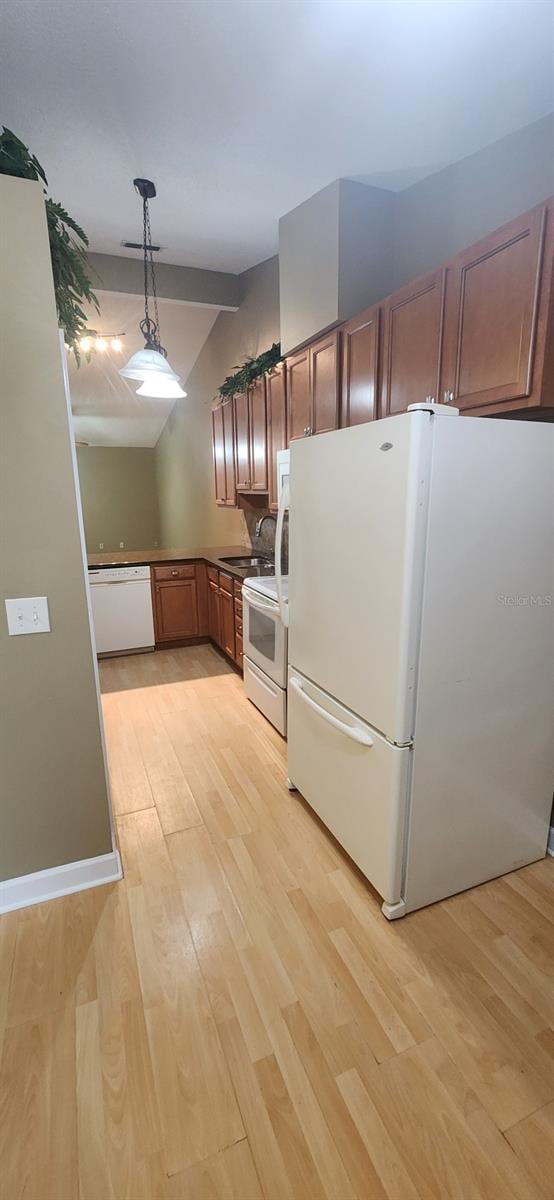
550, 842
59, 881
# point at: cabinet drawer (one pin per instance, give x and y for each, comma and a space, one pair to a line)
237, 588
175, 571
226, 583
238, 608
213, 574
238, 627
238, 649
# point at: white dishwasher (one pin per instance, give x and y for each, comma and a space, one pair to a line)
121, 601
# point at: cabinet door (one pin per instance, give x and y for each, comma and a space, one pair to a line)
242, 442
227, 616
213, 612
299, 408
219, 456
491, 309
176, 610
413, 319
360, 361
324, 383
229, 454
238, 643
258, 436
276, 425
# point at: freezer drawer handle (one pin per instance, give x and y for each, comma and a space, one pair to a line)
356, 735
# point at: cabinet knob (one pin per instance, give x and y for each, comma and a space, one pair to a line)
448, 397
174, 572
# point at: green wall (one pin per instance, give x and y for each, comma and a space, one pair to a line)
53, 796
189, 516
119, 497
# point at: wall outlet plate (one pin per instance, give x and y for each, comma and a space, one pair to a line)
29, 614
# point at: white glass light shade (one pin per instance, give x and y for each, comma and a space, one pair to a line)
161, 388
145, 363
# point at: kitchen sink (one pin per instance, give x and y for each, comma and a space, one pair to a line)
243, 560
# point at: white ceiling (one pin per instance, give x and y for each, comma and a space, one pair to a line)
241, 109
106, 408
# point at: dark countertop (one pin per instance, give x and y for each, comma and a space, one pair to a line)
211, 554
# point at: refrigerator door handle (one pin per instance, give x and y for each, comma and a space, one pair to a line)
350, 731
284, 502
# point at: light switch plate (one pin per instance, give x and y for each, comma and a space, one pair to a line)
28, 615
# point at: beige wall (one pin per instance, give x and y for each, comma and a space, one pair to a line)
189, 515
119, 497
53, 799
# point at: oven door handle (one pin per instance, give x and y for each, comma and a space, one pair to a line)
259, 604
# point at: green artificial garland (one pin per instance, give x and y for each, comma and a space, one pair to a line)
251, 370
68, 243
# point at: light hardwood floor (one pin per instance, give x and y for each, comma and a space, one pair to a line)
237, 1021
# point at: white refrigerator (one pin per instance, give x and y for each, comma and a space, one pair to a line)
421, 646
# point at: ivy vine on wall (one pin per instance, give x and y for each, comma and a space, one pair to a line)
251, 370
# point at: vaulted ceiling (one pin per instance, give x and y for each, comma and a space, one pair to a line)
106, 408
241, 109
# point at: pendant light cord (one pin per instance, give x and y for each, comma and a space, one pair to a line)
149, 269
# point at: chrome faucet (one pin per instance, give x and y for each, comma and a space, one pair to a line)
259, 524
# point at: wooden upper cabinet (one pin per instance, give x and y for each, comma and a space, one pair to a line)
299, 405
324, 383
242, 442
276, 392
494, 342
360, 365
229, 453
258, 436
224, 454
251, 439
219, 455
313, 387
412, 321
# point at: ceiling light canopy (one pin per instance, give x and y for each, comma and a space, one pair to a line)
150, 365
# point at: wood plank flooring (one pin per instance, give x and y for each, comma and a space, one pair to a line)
236, 1020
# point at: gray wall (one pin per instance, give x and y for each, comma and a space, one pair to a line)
189, 516
350, 244
309, 266
53, 799
119, 496
460, 204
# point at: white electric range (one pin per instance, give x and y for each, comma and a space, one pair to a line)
265, 649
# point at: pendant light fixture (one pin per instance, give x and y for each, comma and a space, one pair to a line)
150, 366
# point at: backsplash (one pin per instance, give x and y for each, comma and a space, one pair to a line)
265, 543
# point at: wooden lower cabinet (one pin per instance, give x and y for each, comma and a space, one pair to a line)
176, 609
214, 621
227, 614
